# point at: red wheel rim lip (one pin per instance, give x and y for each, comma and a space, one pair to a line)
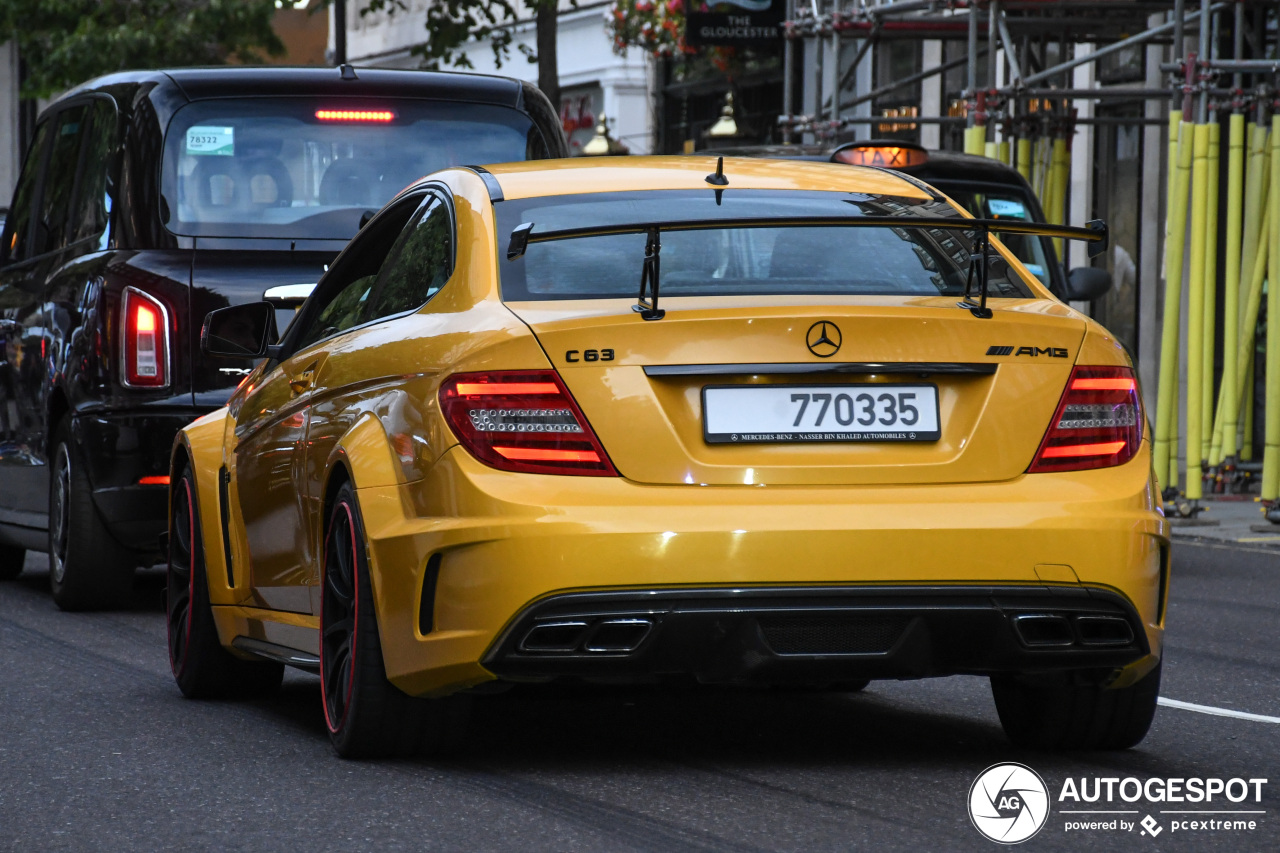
355, 625
179, 668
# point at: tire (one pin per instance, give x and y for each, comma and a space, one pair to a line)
11, 560
88, 568
365, 714
1066, 715
202, 668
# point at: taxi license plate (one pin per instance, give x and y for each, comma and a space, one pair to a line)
761, 414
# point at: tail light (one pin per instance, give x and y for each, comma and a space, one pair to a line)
1098, 423
523, 420
145, 344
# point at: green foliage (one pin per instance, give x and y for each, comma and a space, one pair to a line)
451, 24
65, 42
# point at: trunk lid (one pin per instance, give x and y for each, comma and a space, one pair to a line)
221, 278
993, 404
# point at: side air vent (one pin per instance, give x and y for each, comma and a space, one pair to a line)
224, 510
832, 633
427, 606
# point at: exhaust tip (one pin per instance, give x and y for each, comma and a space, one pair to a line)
1104, 630
554, 637
618, 635
1043, 629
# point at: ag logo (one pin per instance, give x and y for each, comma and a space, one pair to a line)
823, 339
1008, 803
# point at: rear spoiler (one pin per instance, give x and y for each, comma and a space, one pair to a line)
1094, 232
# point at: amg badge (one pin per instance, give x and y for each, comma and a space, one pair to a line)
1051, 352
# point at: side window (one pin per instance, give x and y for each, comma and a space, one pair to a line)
342, 296
419, 264
95, 190
64, 157
17, 232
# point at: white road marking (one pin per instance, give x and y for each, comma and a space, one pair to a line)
1217, 712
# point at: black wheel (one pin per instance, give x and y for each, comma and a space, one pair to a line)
88, 568
366, 715
1062, 714
201, 666
11, 559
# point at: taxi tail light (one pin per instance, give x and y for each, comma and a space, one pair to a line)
145, 348
1098, 423
523, 420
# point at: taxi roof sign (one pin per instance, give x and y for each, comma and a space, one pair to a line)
887, 154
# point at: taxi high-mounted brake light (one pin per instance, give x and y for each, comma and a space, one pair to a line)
365, 116
145, 344
523, 420
1098, 422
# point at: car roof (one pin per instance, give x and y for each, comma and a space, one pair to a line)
537, 178
255, 81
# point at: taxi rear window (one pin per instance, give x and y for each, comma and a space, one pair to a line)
308, 168
783, 256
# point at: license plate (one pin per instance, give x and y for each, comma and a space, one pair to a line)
747, 414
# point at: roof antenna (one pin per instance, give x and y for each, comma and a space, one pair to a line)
348, 73
718, 179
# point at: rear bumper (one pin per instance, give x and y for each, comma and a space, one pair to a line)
118, 450
818, 635
476, 551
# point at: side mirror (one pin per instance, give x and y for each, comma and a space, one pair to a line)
1084, 284
241, 331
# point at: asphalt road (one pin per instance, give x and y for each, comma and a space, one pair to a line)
99, 751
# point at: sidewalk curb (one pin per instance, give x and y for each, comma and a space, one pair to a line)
1199, 539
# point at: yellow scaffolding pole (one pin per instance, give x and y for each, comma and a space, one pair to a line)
1224, 445
1271, 450
1248, 328
1175, 428
1180, 152
1024, 158
975, 140
1254, 193
1059, 172
1195, 308
1210, 290
1246, 443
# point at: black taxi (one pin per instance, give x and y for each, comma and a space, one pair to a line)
989, 189
148, 199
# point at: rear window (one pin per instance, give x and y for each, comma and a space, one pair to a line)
305, 168
783, 256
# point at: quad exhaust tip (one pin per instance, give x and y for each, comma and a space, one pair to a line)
1055, 630
575, 636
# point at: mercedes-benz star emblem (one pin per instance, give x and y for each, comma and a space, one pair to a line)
823, 339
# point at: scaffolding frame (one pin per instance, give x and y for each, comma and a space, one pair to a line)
1026, 112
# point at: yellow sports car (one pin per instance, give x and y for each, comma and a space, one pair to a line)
659, 419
